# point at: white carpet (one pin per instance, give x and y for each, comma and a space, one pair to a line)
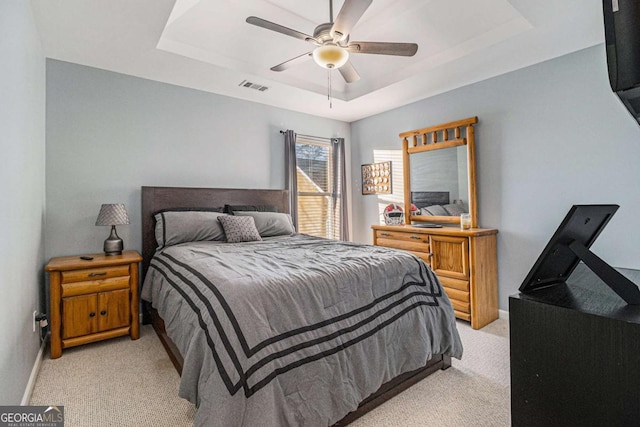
473, 392
120, 382
116, 383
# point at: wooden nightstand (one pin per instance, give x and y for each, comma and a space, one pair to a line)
93, 300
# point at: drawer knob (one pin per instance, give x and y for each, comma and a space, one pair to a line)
415, 237
92, 314
103, 312
385, 234
104, 273
430, 254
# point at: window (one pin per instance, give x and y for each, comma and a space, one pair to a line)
318, 194
397, 178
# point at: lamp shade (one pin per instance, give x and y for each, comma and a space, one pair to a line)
112, 214
330, 56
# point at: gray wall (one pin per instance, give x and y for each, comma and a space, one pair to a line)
22, 121
108, 134
550, 136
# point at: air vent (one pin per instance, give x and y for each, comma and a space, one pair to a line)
250, 85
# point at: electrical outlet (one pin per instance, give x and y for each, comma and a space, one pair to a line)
35, 321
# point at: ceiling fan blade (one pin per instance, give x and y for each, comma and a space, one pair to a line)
383, 48
290, 63
349, 72
281, 29
351, 12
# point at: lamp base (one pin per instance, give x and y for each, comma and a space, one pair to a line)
113, 245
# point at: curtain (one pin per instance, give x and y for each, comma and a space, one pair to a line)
291, 175
340, 185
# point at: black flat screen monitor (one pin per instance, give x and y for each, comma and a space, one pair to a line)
570, 244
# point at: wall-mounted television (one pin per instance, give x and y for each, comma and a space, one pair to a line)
622, 39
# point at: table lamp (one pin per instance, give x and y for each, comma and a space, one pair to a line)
113, 214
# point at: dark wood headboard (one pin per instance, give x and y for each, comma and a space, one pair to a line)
155, 199
423, 199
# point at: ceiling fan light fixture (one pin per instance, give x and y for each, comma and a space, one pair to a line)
330, 56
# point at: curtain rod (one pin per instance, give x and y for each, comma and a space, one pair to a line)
312, 136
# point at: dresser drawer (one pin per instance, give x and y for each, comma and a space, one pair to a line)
95, 273
94, 286
461, 315
398, 235
463, 307
461, 285
457, 295
402, 244
425, 256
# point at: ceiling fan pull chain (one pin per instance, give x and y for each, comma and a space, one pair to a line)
329, 89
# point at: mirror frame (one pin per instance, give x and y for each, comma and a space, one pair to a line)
438, 138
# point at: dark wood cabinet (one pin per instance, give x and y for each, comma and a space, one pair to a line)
575, 355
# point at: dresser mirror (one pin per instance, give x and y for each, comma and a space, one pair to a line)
439, 173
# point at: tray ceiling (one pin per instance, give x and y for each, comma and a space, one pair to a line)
207, 45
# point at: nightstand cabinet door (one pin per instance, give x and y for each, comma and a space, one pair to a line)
79, 316
113, 309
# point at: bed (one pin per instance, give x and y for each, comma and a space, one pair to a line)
437, 203
289, 330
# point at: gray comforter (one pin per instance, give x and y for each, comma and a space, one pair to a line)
295, 330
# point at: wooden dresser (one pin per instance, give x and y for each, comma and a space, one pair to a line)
92, 300
465, 262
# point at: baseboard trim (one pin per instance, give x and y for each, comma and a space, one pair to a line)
503, 314
28, 391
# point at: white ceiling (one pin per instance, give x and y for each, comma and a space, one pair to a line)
207, 45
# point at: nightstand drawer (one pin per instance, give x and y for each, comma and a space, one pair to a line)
94, 286
95, 273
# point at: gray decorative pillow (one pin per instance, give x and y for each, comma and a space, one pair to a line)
434, 210
173, 227
455, 209
271, 224
239, 228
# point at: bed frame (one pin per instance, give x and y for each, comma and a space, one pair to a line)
155, 199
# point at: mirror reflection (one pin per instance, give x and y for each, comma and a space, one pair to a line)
440, 182
440, 175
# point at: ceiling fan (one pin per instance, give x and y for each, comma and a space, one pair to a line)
332, 41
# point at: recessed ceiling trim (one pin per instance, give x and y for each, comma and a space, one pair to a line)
122, 35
